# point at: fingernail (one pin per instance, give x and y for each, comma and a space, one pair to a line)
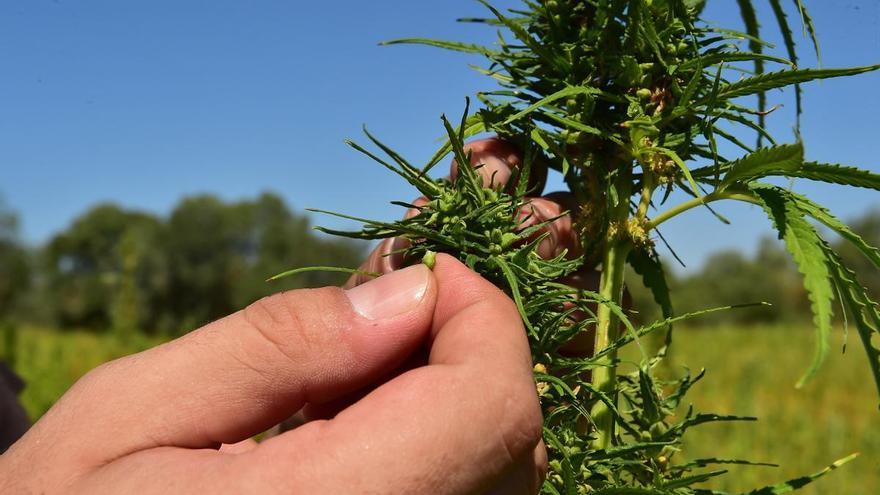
390, 295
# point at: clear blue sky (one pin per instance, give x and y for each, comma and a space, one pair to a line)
141, 103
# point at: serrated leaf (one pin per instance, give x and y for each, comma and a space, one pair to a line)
719, 57
446, 45
792, 485
306, 269
788, 39
809, 27
863, 310
824, 216
524, 36
703, 418
574, 124
648, 267
682, 166
714, 460
650, 403
621, 490
837, 174
807, 250
780, 79
562, 93
747, 12
766, 161
653, 327
693, 479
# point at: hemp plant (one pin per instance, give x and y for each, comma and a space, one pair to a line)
627, 99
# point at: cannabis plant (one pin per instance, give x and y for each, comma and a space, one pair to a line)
628, 100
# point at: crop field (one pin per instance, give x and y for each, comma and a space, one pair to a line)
752, 372
802, 430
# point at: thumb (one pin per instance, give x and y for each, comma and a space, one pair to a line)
240, 375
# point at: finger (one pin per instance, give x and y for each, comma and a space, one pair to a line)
388, 255
527, 476
560, 233
384, 258
245, 445
454, 426
242, 374
495, 159
329, 410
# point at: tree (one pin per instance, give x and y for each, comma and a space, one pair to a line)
15, 270
86, 269
220, 255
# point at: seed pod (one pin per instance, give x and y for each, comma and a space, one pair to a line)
430, 259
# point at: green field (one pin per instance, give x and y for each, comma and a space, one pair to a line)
751, 372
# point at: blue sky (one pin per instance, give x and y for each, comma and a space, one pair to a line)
141, 103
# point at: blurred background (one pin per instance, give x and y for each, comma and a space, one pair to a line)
156, 159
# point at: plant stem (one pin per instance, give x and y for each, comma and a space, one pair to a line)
650, 183
693, 203
614, 254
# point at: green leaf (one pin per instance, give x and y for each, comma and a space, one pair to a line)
650, 402
579, 126
657, 325
809, 253
446, 45
534, 45
621, 490
473, 126
837, 174
647, 265
747, 11
714, 460
693, 479
809, 27
854, 297
822, 214
766, 161
562, 93
791, 485
681, 165
780, 79
633, 447
297, 271
862, 309
788, 39
719, 57
703, 418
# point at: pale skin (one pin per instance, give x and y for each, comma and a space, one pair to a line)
419, 381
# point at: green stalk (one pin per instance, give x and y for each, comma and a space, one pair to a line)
700, 201
617, 246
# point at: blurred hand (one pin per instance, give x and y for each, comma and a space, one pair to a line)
467, 421
495, 160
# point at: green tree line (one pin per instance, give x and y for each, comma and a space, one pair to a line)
129, 271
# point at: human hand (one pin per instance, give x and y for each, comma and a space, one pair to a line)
466, 422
